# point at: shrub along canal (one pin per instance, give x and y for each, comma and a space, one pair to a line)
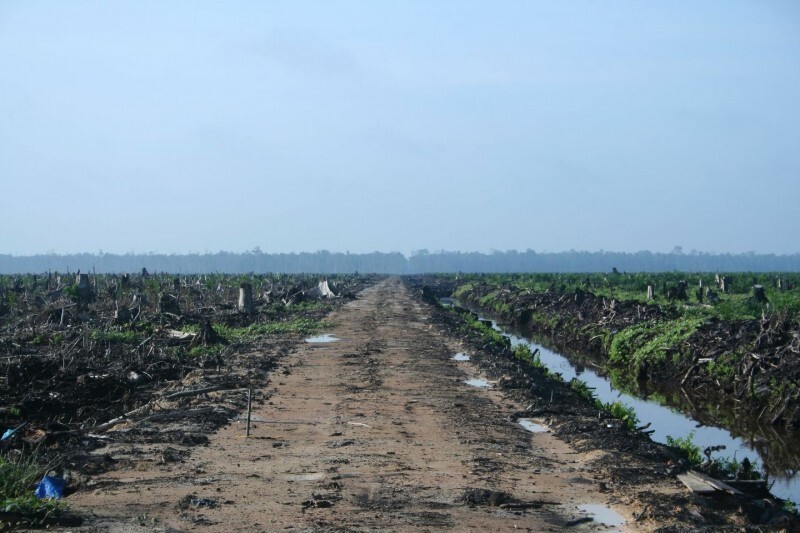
665, 421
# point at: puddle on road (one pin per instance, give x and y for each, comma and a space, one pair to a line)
327, 337
477, 382
304, 476
532, 426
460, 357
602, 514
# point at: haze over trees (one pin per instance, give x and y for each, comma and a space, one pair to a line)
420, 261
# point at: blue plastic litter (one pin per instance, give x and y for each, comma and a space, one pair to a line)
10, 432
50, 487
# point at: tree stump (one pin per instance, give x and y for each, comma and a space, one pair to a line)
168, 303
712, 296
725, 284
84, 288
651, 292
122, 315
208, 335
246, 298
758, 294
681, 291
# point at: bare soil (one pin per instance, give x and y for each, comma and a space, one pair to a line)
377, 431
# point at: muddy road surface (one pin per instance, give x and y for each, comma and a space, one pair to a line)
377, 430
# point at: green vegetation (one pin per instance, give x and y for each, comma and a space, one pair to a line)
737, 303
701, 328
623, 412
583, 390
721, 467
651, 342
618, 410
206, 351
17, 479
297, 326
523, 352
686, 444
115, 335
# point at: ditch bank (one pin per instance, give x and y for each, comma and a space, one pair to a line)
739, 374
625, 454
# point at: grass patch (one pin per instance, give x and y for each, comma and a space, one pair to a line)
115, 336
688, 447
651, 342
623, 412
583, 390
18, 475
298, 326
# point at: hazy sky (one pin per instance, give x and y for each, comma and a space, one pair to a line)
395, 126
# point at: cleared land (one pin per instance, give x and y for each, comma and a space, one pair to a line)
377, 431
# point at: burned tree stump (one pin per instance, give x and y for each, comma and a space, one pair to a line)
712, 296
168, 303
208, 335
122, 315
246, 298
85, 294
758, 294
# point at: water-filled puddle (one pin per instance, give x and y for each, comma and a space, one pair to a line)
532, 426
477, 382
602, 514
460, 357
327, 337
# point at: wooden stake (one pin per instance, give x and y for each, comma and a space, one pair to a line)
249, 408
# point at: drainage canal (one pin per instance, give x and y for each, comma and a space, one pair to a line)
666, 421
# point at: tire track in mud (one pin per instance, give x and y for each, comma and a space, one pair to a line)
376, 431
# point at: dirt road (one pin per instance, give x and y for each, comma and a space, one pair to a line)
376, 431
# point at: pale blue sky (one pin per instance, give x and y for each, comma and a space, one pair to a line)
395, 126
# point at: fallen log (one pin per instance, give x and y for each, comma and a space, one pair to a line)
176, 415
195, 392
521, 506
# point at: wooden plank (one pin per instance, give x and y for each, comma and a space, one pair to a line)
720, 485
695, 485
714, 483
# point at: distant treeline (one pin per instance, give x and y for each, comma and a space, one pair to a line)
421, 261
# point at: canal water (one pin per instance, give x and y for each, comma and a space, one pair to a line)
664, 420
